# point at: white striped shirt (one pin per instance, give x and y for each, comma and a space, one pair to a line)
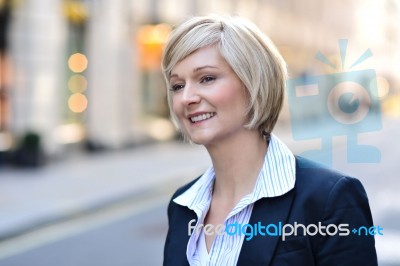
277, 177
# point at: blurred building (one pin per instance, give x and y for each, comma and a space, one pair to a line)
87, 71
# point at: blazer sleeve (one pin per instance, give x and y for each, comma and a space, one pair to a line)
347, 204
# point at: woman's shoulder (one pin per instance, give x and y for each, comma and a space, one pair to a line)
324, 186
311, 172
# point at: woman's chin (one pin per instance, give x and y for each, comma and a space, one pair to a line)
199, 140
196, 141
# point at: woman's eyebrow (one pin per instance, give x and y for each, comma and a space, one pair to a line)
173, 76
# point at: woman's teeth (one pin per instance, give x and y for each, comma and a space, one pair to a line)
201, 117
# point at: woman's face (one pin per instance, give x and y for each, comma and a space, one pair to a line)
208, 98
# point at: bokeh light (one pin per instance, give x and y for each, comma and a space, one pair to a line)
77, 83
151, 39
77, 62
77, 102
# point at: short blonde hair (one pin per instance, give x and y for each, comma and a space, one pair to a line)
249, 52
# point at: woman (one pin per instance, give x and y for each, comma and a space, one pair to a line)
226, 85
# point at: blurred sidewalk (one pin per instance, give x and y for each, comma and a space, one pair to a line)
33, 197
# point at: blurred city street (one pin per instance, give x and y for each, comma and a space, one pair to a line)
84, 183
110, 209
141, 178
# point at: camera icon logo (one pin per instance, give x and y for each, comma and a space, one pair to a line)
345, 105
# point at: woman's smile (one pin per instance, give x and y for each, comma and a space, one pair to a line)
200, 117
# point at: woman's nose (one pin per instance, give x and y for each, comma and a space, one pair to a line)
190, 95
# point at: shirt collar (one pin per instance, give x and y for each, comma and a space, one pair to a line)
277, 177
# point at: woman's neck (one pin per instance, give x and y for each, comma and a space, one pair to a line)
237, 163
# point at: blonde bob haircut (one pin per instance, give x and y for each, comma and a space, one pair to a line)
250, 54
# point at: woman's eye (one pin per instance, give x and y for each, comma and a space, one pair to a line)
207, 79
176, 87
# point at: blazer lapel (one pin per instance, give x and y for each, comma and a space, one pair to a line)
260, 249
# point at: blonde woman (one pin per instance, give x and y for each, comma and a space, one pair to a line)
226, 83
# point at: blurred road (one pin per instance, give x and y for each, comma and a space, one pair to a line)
41, 207
131, 230
129, 238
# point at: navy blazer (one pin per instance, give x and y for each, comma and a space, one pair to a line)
320, 195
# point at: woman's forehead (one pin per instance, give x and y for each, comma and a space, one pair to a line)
203, 58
